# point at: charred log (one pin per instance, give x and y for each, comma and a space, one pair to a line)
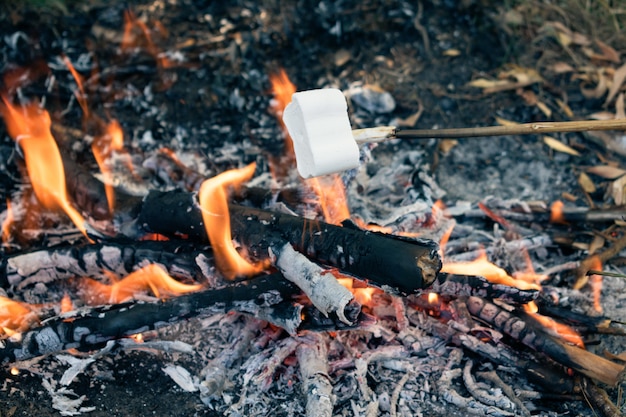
396, 264
182, 259
458, 286
268, 297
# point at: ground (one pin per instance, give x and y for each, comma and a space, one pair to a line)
213, 102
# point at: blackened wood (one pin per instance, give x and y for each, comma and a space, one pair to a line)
525, 332
91, 328
182, 259
395, 264
462, 285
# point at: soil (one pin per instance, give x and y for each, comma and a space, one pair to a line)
212, 107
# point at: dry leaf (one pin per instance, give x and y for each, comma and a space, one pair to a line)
410, 120
602, 115
561, 67
596, 244
451, 52
618, 80
618, 190
619, 107
559, 146
599, 89
606, 171
485, 83
446, 144
544, 108
586, 183
565, 108
504, 122
608, 53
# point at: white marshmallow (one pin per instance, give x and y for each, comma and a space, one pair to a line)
318, 123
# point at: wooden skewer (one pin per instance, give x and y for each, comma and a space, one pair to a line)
378, 134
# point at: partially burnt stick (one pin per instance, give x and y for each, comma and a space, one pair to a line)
467, 285
268, 297
180, 258
398, 265
581, 360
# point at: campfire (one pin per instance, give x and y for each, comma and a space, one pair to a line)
365, 291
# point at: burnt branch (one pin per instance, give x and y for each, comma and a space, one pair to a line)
462, 285
581, 360
182, 259
267, 297
395, 264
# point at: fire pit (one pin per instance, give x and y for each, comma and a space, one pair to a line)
161, 254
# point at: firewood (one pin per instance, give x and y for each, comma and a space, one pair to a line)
398, 265
268, 297
458, 286
583, 361
313, 360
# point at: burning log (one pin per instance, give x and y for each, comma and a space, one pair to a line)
469, 285
268, 297
180, 259
399, 265
583, 361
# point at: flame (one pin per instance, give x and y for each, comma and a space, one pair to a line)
363, 295
7, 222
282, 89
80, 92
15, 317
553, 327
102, 148
152, 277
29, 126
331, 194
556, 213
213, 200
137, 35
595, 282
482, 267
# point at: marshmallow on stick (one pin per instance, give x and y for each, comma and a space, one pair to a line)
324, 143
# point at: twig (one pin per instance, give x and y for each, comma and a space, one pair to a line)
591, 262
599, 399
396, 394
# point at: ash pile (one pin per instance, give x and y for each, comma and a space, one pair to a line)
161, 254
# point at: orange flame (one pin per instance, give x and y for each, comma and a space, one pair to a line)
213, 200
595, 282
80, 93
15, 317
66, 304
482, 267
362, 295
332, 198
560, 330
556, 213
152, 277
283, 89
29, 126
102, 148
137, 35
7, 222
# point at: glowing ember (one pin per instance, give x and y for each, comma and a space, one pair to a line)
151, 277
15, 371
29, 126
595, 282
362, 295
214, 204
556, 213
482, 267
66, 304
433, 298
6, 223
15, 317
